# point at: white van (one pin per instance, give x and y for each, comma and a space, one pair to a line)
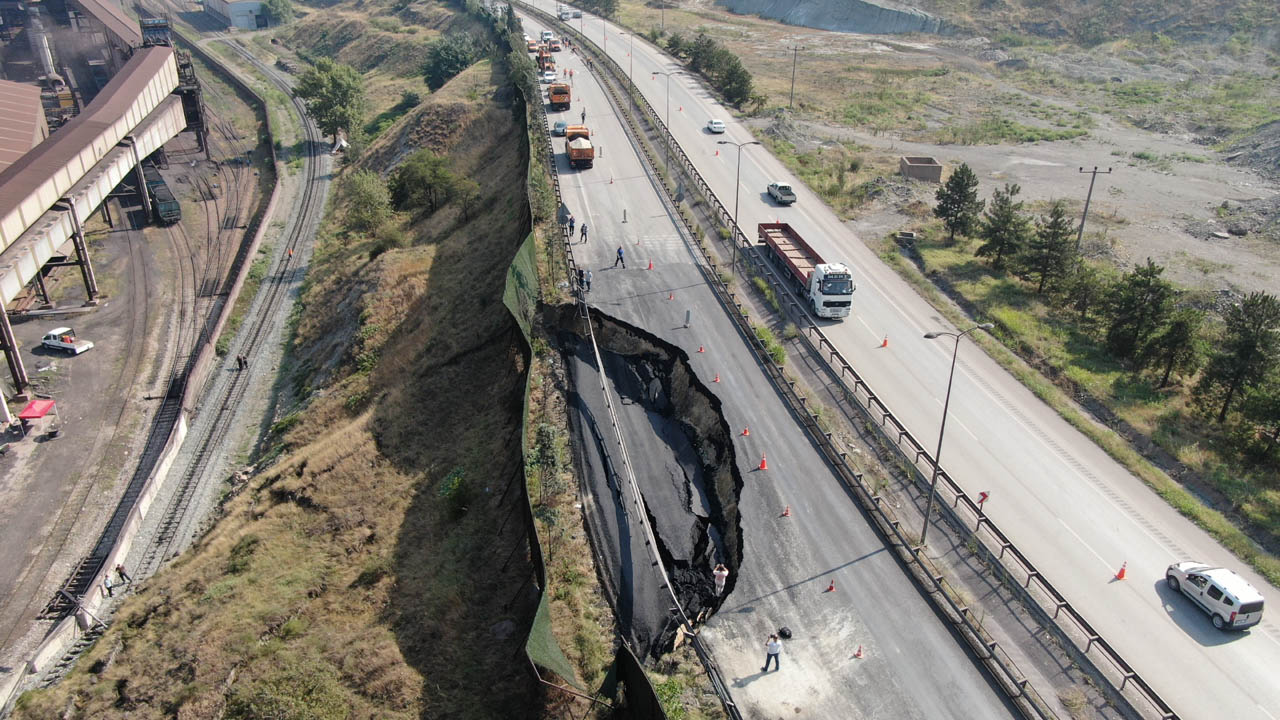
547, 35
1229, 599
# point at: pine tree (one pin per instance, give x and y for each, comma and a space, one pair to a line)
1050, 253
1083, 289
1177, 346
1248, 352
958, 204
1004, 228
1137, 307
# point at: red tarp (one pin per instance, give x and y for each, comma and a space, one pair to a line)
35, 410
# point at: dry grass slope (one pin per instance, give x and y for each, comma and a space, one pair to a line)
367, 573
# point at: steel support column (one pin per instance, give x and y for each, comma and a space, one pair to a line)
16, 369
142, 180
82, 253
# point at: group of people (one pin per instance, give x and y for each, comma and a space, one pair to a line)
110, 586
772, 645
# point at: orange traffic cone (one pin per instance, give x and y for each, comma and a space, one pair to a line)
701, 349
717, 378
650, 264
859, 653
764, 462
671, 296
717, 153
786, 512
831, 587
886, 342
1120, 575
746, 431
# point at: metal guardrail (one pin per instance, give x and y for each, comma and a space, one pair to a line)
1124, 682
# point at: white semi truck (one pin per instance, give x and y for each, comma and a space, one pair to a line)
827, 286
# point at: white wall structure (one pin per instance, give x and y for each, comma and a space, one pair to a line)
244, 14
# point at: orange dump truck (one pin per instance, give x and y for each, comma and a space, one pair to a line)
558, 95
577, 145
546, 61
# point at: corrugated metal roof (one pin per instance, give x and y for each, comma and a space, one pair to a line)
22, 123
51, 156
113, 18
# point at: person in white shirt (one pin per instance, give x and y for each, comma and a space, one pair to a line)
722, 575
772, 648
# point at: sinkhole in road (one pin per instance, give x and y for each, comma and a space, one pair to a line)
682, 455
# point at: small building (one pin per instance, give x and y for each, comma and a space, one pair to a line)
243, 14
22, 123
920, 167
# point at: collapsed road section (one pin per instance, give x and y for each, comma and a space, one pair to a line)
691, 500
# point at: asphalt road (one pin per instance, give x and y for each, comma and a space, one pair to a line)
1076, 513
912, 665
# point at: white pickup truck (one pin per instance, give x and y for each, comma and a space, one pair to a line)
781, 193
64, 338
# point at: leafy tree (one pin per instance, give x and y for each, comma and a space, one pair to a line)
1137, 307
468, 193
423, 182
1083, 289
278, 12
676, 44
334, 94
369, 201
599, 7
1177, 345
958, 204
449, 56
1004, 228
1050, 253
1249, 350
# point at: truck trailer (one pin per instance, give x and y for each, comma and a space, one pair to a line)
558, 95
827, 286
577, 145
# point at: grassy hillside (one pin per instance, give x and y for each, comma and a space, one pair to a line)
367, 571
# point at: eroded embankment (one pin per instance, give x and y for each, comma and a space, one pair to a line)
682, 455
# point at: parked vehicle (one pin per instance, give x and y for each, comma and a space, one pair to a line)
1231, 602
578, 146
64, 338
558, 95
781, 193
546, 61
164, 206
559, 128
556, 46
547, 35
716, 126
827, 286
549, 76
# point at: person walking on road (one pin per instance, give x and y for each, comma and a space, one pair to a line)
722, 576
584, 232
772, 648
588, 281
622, 260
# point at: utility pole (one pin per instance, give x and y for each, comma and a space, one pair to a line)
795, 54
1095, 172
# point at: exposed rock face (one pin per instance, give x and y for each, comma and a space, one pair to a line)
863, 16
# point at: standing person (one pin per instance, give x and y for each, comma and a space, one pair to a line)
588, 281
772, 648
106, 583
582, 278
584, 116
584, 232
123, 575
722, 576
622, 260
572, 221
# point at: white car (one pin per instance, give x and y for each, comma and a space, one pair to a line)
715, 126
1226, 597
64, 338
549, 76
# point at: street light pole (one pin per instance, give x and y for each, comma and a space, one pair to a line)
737, 185
937, 456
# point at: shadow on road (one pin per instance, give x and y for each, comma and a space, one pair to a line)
746, 605
1184, 612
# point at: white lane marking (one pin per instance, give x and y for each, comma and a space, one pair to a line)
1087, 545
1264, 712
958, 421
